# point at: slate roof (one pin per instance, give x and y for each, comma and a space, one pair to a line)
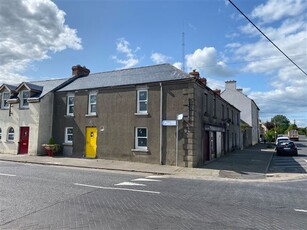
141, 75
10, 87
47, 85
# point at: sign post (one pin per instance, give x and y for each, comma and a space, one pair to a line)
178, 118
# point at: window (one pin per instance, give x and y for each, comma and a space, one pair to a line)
69, 135
10, 134
70, 105
142, 101
0, 133
24, 95
141, 138
92, 103
4, 103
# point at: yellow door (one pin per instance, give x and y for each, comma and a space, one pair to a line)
90, 147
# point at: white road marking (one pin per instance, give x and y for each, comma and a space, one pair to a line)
112, 188
300, 210
155, 177
4, 174
146, 179
129, 184
305, 160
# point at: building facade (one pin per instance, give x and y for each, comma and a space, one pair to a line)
249, 110
26, 116
134, 114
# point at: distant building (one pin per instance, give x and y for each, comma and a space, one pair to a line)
249, 111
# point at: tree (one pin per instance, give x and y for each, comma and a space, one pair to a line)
281, 123
269, 125
292, 126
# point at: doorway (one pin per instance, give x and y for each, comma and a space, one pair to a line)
91, 145
24, 140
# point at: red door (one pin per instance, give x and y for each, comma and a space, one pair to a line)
24, 140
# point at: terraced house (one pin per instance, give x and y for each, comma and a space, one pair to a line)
133, 115
26, 116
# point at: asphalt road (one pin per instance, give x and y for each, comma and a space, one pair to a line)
46, 197
291, 164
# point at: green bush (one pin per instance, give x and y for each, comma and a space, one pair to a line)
51, 141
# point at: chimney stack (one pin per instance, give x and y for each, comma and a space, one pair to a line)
217, 92
79, 71
231, 85
203, 80
194, 73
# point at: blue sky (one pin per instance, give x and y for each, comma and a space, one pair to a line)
43, 39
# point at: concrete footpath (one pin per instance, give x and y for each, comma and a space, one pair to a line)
248, 164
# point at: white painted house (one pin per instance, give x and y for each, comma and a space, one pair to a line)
248, 107
26, 116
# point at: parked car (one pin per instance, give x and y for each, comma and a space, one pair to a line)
281, 139
286, 148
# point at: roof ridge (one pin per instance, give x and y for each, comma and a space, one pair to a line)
133, 68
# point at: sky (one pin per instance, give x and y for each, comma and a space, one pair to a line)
43, 39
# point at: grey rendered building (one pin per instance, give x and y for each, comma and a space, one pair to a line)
131, 115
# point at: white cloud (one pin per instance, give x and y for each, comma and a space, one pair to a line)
284, 22
206, 60
29, 30
159, 58
130, 59
274, 10
178, 65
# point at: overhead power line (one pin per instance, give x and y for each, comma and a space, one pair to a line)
268, 38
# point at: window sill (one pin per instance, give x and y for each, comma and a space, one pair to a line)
67, 115
91, 115
141, 114
10, 142
140, 151
67, 144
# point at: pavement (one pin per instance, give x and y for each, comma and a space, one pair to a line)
245, 165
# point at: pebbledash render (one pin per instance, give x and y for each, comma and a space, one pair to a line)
133, 114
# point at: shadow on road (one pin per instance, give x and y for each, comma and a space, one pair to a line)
253, 161
288, 164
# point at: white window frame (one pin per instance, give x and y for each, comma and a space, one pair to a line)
139, 101
9, 133
67, 141
90, 112
70, 105
22, 99
137, 138
3, 100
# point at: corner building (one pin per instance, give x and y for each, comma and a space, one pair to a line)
131, 115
